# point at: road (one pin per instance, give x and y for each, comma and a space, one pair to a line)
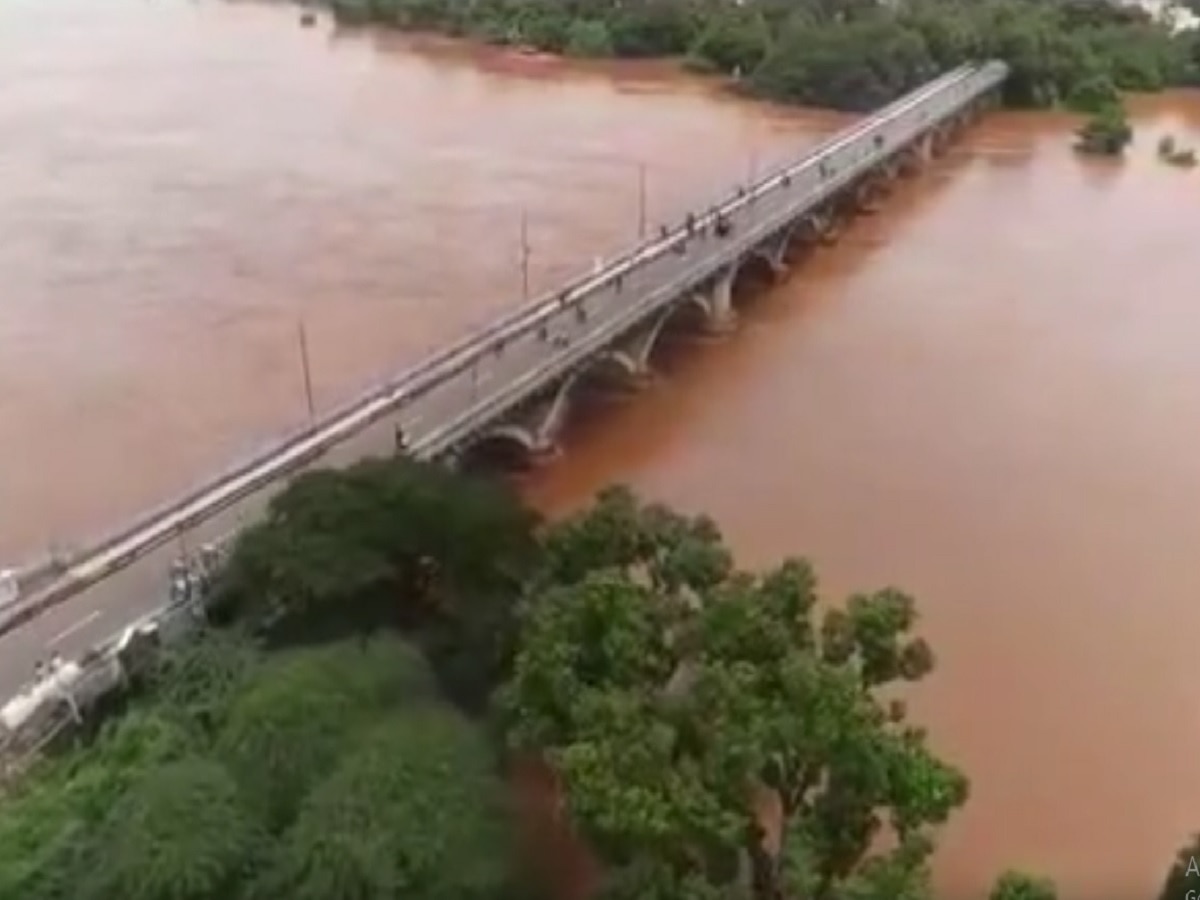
439, 402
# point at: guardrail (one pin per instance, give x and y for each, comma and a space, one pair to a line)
302, 445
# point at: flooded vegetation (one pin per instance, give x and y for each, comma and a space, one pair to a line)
984, 394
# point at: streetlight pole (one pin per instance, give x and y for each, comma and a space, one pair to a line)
753, 135
524, 256
641, 200
302, 338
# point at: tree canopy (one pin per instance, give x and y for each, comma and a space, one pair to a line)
849, 54
714, 733
672, 694
334, 772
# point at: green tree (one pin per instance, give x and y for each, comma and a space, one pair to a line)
1107, 133
736, 40
851, 54
1021, 886
291, 726
179, 833
195, 681
1093, 95
414, 812
671, 695
588, 38
390, 543
46, 821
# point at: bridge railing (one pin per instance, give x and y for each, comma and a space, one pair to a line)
456, 358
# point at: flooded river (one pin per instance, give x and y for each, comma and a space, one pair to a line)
987, 394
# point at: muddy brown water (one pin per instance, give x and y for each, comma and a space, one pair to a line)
987, 394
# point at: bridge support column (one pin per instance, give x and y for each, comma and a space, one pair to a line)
774, 253
869, 192
629, 358
717, 302
824, 226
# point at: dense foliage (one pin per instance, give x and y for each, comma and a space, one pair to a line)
334, 772
714, 733
678, 699
846, 54
1107, 133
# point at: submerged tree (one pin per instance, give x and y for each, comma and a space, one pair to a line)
1107, 133
1014, 885
705, 723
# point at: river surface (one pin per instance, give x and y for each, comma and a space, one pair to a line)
987, 394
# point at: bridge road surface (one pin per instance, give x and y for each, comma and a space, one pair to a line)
443, 401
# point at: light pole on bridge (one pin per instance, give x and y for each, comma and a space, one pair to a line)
302, 339
641, 199
525, 250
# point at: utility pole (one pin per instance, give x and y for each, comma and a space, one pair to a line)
302, 337
524, 256
753, 132
641, 200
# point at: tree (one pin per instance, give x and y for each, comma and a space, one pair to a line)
1107, 133
180, 833
306, 709
389, 543
1013, 885
588, 38
674, 697
195, 681
415, 812
848, 54
48, 820
736, 40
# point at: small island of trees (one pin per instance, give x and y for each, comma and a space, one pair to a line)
393, 638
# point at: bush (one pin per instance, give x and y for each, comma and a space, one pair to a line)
588, 38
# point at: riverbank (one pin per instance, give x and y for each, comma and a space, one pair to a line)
852, 57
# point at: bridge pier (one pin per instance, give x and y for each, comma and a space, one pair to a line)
870, 191
825, 226
717, 302
774, 253
629, 358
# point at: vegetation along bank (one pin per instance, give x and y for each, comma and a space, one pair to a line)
392, 636
852, 55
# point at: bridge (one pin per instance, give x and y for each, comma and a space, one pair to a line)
511, 384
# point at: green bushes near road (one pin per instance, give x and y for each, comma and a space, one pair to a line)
851, 55
389, 635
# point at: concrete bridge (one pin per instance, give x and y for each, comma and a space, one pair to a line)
511, 384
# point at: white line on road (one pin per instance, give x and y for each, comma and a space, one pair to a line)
71, 629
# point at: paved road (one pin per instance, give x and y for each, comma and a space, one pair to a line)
440, 402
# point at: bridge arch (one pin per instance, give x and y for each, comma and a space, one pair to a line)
682, 315
526, 434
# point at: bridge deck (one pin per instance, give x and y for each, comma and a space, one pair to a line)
446, 399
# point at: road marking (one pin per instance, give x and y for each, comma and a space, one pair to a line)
71, 629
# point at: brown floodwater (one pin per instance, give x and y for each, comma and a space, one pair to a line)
987, 394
